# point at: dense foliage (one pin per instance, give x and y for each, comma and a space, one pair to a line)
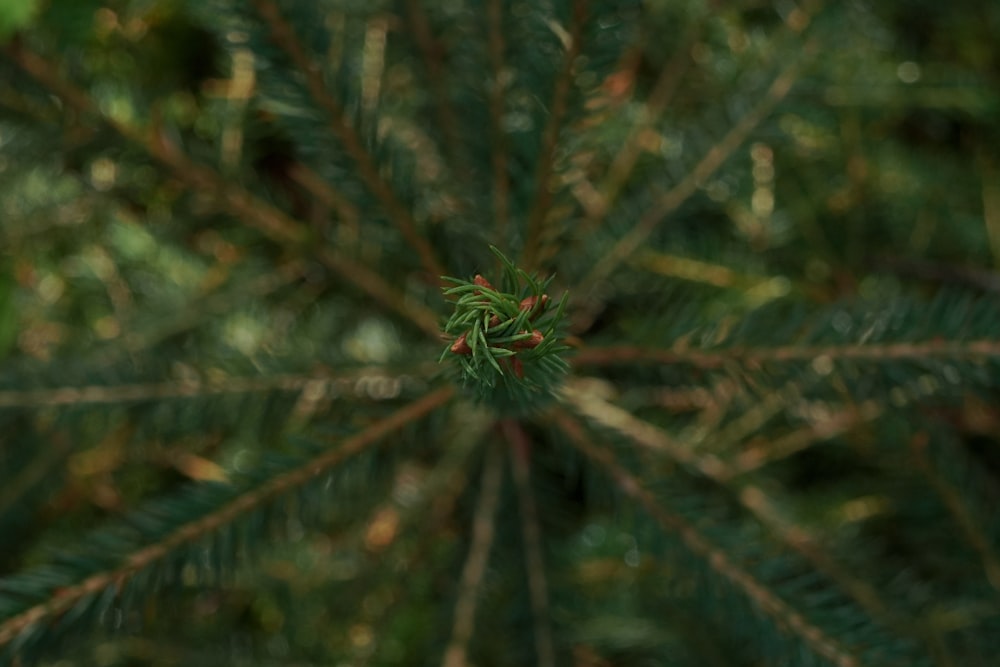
238, 237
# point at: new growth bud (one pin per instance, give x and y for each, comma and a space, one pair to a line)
505, 342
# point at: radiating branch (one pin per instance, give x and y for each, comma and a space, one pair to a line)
64, 599
715, 157
44, 462
433, 506
242, 204
497, 83
432, 54
284, 36
973, 350
520, 457
970, 527
827, 427
759, 503
659, 99
770, 513
643, 433
316, 385
328, 195
483, 532
550, 138
138, 335
715, 557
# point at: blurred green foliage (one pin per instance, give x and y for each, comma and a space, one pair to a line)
223, 224
15, 14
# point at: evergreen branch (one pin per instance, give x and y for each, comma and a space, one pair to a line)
284, 36
658, 101
431, 52
550, 137
715, 157
972, 350
62, 600
953, 499
747, 421
655, 105
757, 289
328, 195
24, 480
249, 209
937, 273
498, 82
213, 301
483, 532
520, 459
829, 426
371, 282
315, 385
437, 500
802, 541
758, 502
594, 407
271, 222
716, 558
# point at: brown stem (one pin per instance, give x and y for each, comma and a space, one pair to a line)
63, 599
483, 532
714, 158
550, 138
284, 36
497, 84
716, 558
250, 210
520, 458
754, 357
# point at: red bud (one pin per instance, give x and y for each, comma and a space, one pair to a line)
529, 302
529, 343
460, 346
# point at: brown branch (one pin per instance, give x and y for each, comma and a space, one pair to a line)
758, 502
65, 598
712, 555
431, 51
372, 283
769, 513
714, 158
952, 499
284, 36
431, 508
214, 300
483, 532
531, 530
753, 417
501, 185
550, 138
269, 221
327, 195
659, 99
250, 210
830, 426
596, 408
611, 355
45, 462
322, 385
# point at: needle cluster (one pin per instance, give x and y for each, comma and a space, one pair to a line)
506, 342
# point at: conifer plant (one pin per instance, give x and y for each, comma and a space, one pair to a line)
485, 332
